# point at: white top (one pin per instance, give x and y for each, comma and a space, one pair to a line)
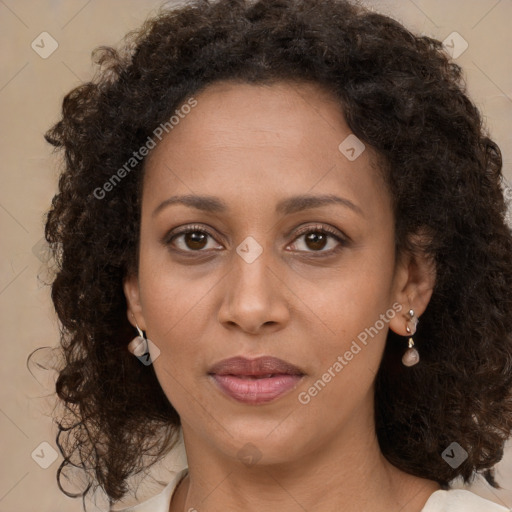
453, 500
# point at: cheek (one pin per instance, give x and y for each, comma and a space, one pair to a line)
176, 311
348, 358
355, 311
355, 322
172, 295
353, 298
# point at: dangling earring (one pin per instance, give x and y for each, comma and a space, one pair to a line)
411, 356
139, 345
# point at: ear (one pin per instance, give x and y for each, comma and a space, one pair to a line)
132, 294
414, 281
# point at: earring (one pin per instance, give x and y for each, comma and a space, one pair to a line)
139, 345
411, 356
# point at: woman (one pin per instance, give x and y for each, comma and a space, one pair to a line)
280, 232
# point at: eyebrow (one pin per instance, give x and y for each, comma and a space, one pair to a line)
212, 204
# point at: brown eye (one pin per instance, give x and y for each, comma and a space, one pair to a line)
316, 241
320, 239
195, 239
191, 239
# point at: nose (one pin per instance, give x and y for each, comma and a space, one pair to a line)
254, 297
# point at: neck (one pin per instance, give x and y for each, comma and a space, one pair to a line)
346, 473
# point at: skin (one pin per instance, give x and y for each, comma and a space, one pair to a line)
253, 146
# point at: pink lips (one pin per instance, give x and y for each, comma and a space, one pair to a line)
255, 381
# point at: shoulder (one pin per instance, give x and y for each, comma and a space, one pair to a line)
454, 500
160, 502
460, 500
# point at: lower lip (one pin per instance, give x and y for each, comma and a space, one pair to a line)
256, 391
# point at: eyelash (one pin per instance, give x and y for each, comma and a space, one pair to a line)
319, 228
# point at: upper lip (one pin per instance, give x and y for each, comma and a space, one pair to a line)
265, 365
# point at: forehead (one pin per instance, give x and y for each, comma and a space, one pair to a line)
260, 137
257, 112
285, 114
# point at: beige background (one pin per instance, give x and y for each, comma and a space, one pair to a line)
31, 90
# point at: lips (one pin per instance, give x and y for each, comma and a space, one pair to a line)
255, 381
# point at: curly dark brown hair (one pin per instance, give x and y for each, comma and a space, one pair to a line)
400, 94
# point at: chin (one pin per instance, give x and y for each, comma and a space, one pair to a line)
263, 442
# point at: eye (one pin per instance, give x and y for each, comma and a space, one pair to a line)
191, 239
317, 238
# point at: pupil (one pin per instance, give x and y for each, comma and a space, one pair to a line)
317, 239
195, 240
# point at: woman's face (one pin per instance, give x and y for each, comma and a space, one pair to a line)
290, 256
